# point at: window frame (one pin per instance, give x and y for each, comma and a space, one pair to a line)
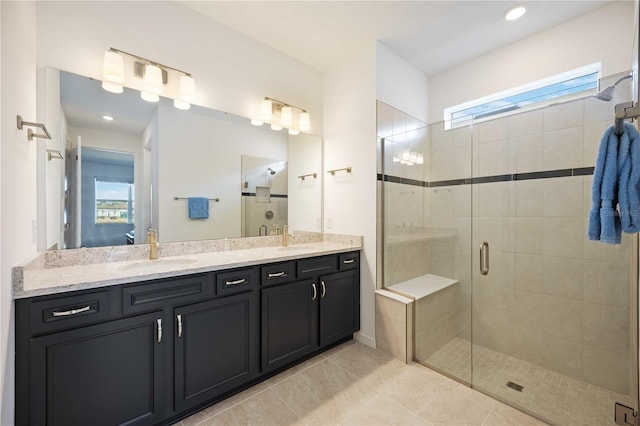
510, 109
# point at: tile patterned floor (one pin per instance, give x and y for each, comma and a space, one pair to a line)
353, 384
558, 399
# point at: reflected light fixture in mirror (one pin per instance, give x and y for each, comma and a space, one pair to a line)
280, 115
112, 72
154, 75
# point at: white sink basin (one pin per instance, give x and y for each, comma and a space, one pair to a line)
157, 263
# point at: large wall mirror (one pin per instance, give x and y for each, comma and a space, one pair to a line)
118, 165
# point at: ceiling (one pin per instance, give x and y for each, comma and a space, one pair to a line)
85, 102
431, 35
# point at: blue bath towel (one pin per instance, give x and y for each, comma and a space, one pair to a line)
604, 221
629, 179
616, 187
198, 207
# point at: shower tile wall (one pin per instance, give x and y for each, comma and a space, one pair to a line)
552, 297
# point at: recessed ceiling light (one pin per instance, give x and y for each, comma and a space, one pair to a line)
515, 13
107, 117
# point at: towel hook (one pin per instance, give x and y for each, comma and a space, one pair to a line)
30, 134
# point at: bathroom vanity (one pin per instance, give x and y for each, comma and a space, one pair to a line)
148, 343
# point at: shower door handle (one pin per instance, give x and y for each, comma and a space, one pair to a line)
484, 258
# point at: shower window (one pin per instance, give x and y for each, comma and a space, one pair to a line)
565, 86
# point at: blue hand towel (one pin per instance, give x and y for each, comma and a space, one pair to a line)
198, 208
604, 221
629, 179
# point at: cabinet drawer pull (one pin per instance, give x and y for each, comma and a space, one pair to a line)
71, 312
159, 321
179, 325
276, 274
324, 290
315, 292
348, 261
236, 282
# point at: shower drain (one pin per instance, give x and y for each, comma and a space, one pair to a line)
515, 386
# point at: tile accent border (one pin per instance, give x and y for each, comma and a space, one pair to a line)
580, 171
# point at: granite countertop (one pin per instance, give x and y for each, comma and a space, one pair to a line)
51, 273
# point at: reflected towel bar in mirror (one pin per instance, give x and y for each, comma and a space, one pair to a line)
314, 175
54, 154
186, 198
333, 172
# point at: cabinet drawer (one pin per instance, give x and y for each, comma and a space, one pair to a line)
313, 267
349, 260
236, 281
65, 312
278, 273
154, 295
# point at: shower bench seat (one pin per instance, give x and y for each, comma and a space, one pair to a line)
414, 318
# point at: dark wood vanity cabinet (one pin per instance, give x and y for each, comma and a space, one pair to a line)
300, 317
152, 352
216, 348
106, 374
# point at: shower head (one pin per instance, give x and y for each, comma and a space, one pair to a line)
271, 171
606, 94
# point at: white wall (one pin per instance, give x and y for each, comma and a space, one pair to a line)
17, 174
606, 35
400, 84
199, 156
232, 72
350, 140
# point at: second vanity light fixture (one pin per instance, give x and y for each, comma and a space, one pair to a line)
280, 114
154, 75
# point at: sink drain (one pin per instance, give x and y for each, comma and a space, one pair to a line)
515, 386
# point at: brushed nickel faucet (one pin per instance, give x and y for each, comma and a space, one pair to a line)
154, 245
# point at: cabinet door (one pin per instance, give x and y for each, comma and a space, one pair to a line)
339, 306
289, 323
216, 347
106, 374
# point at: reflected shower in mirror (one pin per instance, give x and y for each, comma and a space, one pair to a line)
173, 155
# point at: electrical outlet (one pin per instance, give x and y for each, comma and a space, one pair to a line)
34, 231
329, 223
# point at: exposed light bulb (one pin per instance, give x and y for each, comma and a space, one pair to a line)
294, 132
286, 116
256, 122
305, 122
149, 97
107, 117
153, 79
266, 110
113, 67
276, 127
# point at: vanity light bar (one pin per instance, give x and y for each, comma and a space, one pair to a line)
267, 107
154, 74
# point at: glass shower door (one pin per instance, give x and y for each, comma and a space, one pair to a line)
551, 318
